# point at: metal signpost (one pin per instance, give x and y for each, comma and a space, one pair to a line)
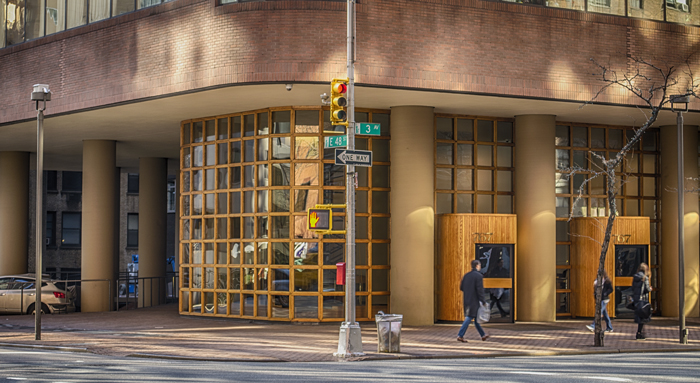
350, 338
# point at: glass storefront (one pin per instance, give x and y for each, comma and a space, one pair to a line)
638, 179
473, 165
247, 182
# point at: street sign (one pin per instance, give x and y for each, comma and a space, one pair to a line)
353, 157
335, 141
320, 219
369, 128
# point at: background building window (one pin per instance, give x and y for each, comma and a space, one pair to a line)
132, 184
50, 228
72, 182
132, 230
71, 229
171, 195
52, 180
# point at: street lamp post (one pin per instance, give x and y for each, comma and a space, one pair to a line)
682, 101
40, 93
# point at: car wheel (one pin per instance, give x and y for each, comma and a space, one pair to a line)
44, 309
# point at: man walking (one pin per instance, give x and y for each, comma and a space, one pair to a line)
473, 293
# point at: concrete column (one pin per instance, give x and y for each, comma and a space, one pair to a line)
153, 179
412, 214
98, 224
14, 212
535, 206
669, 218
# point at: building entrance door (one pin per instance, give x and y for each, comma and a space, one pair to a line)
627, 260
497, 266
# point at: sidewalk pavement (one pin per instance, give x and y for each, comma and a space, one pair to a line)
161, 332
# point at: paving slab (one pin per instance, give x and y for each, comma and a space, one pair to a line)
161, 332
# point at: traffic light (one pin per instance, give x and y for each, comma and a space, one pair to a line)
339, 87
320, 219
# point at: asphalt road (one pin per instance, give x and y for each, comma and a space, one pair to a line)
53, 366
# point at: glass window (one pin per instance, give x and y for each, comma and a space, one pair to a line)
306, 148
132, 230
15, 18
444, 129
148, 3
443, 203
35, 19
443, 178
580, 136
72, 182
122, 6
305, 174
444, 153
505, 131
561, 136
484, 130
50, 228
465, 130
484, 155
132, 183
305, 121
70, 235
76, 14
99, 10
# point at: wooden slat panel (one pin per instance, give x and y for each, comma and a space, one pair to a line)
623, 281
456, 248
498, 283
587, 236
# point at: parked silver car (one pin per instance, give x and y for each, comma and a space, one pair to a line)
18, 295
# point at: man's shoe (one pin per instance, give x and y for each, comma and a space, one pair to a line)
590, 328
460, 339
483, 338
609, 330
640, 336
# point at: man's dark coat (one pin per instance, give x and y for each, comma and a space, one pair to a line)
473, 292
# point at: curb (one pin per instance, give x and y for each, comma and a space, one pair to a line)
194, 358
42, 347
525, 354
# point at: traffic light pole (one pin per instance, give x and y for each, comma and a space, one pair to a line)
350, 341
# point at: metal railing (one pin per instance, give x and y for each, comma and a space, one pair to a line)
137, 292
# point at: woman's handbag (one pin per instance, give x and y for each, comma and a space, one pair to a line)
642, 308
484, 313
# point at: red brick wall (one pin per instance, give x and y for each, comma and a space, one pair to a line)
458, 46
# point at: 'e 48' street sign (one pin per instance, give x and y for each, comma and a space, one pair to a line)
335, 141
353, 157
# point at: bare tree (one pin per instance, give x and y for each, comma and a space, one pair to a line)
649, 83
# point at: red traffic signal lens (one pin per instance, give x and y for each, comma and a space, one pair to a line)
340, 87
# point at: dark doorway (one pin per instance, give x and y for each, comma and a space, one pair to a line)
497, 266
627, 260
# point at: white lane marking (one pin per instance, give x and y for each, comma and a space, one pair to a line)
15, 378
532, 373
608, 378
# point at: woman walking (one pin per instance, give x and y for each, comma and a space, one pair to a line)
640, 291
607, 290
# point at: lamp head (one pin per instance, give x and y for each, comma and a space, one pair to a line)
41, 92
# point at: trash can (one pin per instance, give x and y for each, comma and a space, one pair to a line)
388, 332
